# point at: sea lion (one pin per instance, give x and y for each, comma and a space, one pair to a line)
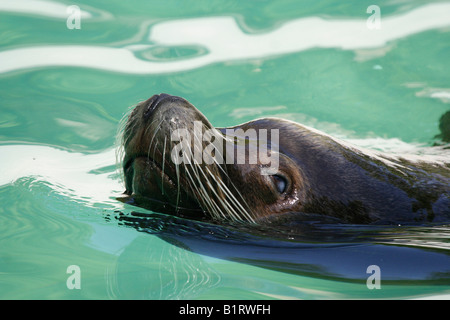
316, 177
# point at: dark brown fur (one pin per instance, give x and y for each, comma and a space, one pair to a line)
324, 177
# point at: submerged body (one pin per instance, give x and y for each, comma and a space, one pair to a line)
316, 177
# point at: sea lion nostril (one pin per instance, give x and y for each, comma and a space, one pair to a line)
153, 102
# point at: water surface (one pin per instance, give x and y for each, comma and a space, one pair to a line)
63, 92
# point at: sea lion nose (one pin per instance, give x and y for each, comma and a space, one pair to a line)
153, 103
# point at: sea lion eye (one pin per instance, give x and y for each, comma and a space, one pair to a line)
280, 182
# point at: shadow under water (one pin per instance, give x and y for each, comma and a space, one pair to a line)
402, 254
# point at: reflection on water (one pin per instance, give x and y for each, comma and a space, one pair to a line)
341, 252
220, 39
437, 237
169, 257
45, 8
75, 175
161, 271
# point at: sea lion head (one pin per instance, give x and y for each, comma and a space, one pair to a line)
175, 161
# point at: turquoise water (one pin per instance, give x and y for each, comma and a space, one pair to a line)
63, 92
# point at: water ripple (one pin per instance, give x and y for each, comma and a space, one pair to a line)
71, 174
223, 40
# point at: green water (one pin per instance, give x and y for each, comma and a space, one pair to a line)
63, 92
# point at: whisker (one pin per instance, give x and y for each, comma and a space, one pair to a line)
209, 183
177, 170
121, 140
227, 194
163, 162
203, 196
153, 138
213, 191
230, 195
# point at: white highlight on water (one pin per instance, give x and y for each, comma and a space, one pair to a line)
224, 40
